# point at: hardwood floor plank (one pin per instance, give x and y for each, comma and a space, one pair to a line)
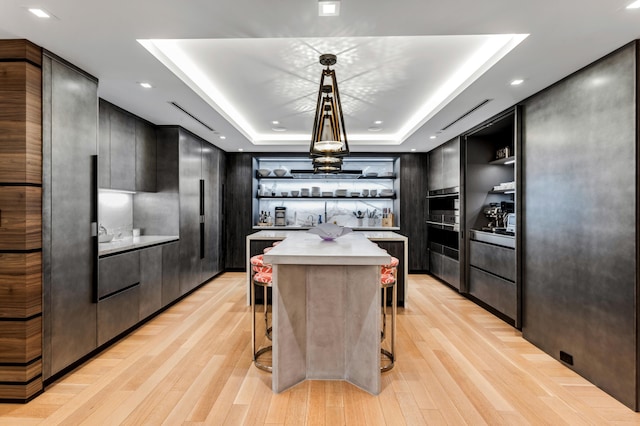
191, 365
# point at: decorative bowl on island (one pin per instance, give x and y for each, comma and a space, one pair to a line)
330, 231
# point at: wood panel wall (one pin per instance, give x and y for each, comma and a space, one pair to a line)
20, 220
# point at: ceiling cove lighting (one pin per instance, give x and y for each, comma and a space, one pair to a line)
328, 8
634, 5
328, 137
517, 82
40, 13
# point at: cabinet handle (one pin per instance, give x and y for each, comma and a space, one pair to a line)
201, 240
201, 197
94, 226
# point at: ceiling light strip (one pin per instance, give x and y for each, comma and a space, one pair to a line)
192, 116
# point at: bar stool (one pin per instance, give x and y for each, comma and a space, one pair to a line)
261, 275
388, 279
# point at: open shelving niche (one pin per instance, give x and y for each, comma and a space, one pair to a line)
339, 209
443, 220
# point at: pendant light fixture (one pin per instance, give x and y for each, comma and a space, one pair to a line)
329, 139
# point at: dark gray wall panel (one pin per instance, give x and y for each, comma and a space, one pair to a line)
156, 213
117, 313
70, 118
579, 219
104, 145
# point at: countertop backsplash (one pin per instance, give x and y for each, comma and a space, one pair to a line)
115, 213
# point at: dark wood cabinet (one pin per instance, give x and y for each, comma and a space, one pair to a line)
118, 272
122, 149
70, 130
238, 194
413, 184
170, 272
435, 167
127, 150
151, 269
146, 152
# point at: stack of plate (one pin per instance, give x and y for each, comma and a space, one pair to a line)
386, 193
315, 191
304, 192
327, 194
341, 192
354, 194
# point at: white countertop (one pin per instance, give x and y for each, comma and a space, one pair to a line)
302, 248
282, 234
305, 228
132, 243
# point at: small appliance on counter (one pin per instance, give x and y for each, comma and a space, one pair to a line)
498, 213
281, 216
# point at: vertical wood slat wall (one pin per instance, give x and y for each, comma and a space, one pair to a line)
20, 220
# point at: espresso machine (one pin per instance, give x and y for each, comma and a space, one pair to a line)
281, 216
497, 213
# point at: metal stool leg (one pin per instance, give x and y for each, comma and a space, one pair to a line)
389, 355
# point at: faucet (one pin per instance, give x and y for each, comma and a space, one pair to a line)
310, 219
326, 219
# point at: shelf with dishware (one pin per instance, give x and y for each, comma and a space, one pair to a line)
303, 198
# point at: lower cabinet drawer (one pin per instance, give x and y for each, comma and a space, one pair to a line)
117, 313
495, 259
445, 268
494, 291
118, 272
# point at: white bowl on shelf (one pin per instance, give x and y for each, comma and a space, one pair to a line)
279, 172
295, 193
264, 172
284, 194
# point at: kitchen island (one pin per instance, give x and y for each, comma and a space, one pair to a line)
326, 310
386, 239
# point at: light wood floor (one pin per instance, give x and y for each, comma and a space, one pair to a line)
457, 364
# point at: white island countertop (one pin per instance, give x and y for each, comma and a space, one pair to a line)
302, 248
133, 243
282, 234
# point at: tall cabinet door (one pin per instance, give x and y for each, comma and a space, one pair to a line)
211, 174
190, 173
70, 126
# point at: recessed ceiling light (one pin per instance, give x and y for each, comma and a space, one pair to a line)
413, 150
517, 82
275, 122
634, 5
146, 85
432, 137
377, 122
279, 129
240, 149
223, 137
374, 129
328, 8
40, 13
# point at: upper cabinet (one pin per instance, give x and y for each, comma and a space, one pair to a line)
127, 152
444, 166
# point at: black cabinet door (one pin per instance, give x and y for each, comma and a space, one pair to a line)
123, 150
413, 181
104, 144
150, 281
435, 169
145, 157
238, 209
190, 173
170, 272
212, 176
70, 131
451, 163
